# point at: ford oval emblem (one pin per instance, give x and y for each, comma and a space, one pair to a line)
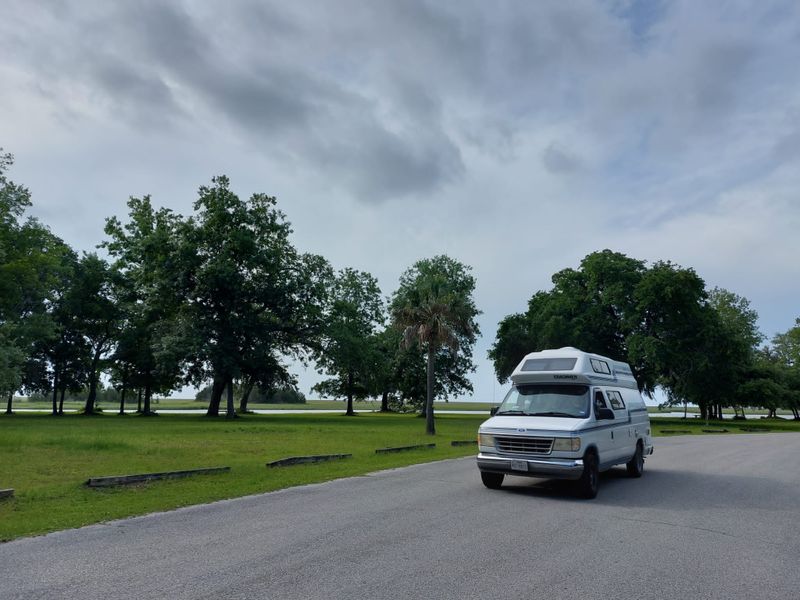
521, 429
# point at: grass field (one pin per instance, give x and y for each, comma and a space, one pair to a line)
47, 460
664, 426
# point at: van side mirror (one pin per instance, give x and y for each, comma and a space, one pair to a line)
604, 414
493, 410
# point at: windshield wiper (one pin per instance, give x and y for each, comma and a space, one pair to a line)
553, 414
511, 412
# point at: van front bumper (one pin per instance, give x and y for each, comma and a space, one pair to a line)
556, 468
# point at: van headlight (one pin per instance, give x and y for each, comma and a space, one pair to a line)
571, 444
486, 439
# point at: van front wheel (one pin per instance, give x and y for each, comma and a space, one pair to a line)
493, 481
590, 478
635, 465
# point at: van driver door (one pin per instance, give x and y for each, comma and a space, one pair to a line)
604, 437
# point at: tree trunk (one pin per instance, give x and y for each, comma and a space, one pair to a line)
230, 410
216, 396
704, 412
139, 400
385, 401
430, 427
685, 410
248, 387
10, 401
93, 377
148, 392
61, 401
55, 392
122, 392
350, 412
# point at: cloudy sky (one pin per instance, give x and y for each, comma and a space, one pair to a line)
516, 137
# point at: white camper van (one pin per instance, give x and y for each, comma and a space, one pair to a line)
568, 415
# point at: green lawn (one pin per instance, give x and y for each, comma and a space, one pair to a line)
664, 426
694, 410
47, 460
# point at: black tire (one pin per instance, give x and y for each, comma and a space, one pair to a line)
590, 478
635, 465
493, 481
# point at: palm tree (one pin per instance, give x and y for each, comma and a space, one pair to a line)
433, 308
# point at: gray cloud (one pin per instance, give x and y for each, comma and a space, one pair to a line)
787, 147
310, 114
558, 160
379, 98
493, 136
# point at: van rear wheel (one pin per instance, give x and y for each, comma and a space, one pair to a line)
590, 478
493, 481
635, 465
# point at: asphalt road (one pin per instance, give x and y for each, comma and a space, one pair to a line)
713, 517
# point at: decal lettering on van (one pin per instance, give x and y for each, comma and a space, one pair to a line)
565, 376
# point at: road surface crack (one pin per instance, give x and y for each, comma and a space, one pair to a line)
693, 527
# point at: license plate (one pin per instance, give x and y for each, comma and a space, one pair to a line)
519, 465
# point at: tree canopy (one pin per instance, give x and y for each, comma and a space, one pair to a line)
31, 261
434, 308
660, 319
249, 293
347, 346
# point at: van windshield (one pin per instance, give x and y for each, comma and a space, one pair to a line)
547, 400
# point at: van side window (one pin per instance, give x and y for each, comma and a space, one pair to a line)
599, 401
617, 403
600, 366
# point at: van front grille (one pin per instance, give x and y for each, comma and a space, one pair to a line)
524, 445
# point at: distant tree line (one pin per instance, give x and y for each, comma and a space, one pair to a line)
220, 298
700, 346
285, 395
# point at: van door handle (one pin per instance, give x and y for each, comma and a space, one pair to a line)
612, 435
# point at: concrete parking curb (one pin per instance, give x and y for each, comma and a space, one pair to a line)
114, 480
298, 460
404, 448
